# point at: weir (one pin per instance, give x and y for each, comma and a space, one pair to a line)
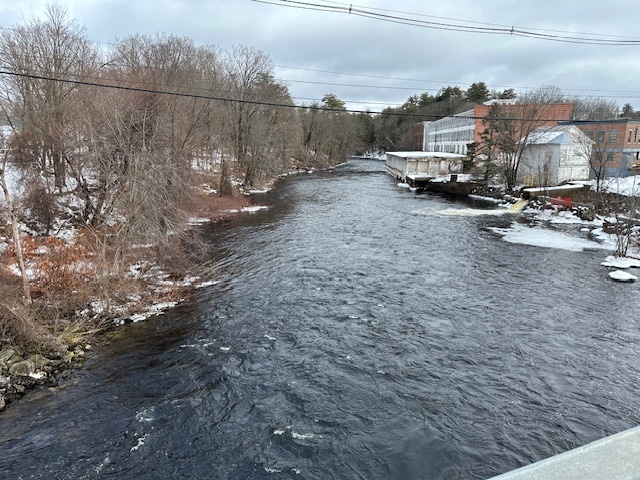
519, 206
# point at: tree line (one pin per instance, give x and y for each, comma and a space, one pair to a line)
393, 130
120, 164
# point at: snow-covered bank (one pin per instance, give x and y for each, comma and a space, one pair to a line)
542, 237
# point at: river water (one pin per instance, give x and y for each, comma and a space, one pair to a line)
354, 333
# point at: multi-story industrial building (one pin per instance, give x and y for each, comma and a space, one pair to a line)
453, 134
616, 145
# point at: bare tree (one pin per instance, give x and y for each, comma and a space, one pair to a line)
594, 146
330, 133
593, 108
13, 219
509, 129
246, 69
260, 112
57, 48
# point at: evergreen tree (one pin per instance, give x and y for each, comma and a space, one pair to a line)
478, 92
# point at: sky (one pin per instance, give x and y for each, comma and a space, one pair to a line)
370, 62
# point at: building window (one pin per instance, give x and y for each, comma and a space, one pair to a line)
630, 133
590, 134
600, 136
635, 135
610, 157
613, 136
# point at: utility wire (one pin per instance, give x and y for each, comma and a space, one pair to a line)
260, 103
621, 93
626, 94
481, 23
443, 82
578, 38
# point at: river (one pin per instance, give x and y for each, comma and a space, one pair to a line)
351, 336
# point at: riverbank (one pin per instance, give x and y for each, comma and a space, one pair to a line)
149, 288
45, 352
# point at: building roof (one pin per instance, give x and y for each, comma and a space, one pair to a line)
558, 135
501, 101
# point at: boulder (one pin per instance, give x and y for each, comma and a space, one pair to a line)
8, 356
22, 368
2, 402
5, 355
39, 361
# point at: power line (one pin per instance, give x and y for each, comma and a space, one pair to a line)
483, 23
358, 85
256, 102
445, 82
567, 37
620, 93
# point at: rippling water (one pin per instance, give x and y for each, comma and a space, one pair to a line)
352, 335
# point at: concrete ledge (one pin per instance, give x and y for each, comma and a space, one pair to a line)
616, 457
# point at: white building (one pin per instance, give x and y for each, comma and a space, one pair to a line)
555, 155
450, 134
415, 167
453, 134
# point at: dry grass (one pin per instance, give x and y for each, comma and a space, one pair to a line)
217, 208
67, 278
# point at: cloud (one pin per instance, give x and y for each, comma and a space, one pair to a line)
313, 40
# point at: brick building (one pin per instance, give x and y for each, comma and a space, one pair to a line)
616, 144
453, 134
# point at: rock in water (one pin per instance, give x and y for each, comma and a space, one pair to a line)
620, 276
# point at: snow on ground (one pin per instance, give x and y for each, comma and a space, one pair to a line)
254, 208
629, 186
620, 276
560, 217
197, 221
152, 310
251, 209
205, 284
459, 212
541, 237
621, 262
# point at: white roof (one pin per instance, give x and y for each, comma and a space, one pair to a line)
501, 101
561, 134
425, 155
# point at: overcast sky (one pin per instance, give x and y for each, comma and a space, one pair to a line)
373, 63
